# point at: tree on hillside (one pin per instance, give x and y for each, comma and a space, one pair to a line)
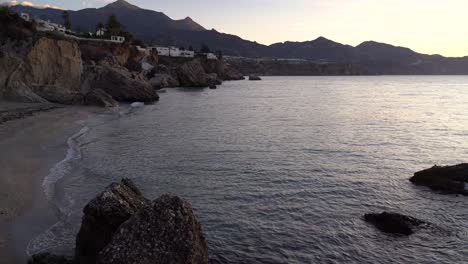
113, 26
99, 25
205, 48
66, 19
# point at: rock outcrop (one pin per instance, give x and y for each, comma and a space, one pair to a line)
394, 223
103, 216
192, 74
449, 179
165, 232
119, 83
254, 78
121, 226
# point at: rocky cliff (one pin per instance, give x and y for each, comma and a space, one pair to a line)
47, 67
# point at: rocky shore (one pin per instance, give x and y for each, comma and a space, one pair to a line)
51, 68
121, 226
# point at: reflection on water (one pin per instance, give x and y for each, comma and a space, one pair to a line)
281, 171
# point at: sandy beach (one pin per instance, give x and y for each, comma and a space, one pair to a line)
30, 146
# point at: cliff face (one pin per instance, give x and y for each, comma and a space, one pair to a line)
50, 63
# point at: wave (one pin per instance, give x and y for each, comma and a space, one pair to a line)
48, 240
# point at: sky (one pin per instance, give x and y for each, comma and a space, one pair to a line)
426, 26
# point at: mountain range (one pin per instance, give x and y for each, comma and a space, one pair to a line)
155, 28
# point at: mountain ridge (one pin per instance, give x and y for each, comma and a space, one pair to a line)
155, 27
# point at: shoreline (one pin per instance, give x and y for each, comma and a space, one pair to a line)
32, 145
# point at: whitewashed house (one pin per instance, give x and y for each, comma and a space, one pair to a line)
118, 39
174, 52
187, 53
211, 56
101, 32
26, 17
162, 51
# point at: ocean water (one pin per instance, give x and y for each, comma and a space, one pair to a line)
282, 170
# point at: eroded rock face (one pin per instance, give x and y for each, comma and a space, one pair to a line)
118, 83
103, 216
49, 63
165, 232
449, 179
394, 223
192, 74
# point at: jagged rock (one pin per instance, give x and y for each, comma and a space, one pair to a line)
450, 179
165, 232
118, 83
212, 79
103, 216
159, 81
394, 223
254, 78
46, 258
192, 74
100, 98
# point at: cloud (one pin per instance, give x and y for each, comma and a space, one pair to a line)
26, 3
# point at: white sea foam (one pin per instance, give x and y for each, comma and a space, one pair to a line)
63, 167
48, 240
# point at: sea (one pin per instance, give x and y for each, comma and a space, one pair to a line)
282, 170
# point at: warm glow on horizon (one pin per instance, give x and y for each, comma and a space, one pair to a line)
426, 26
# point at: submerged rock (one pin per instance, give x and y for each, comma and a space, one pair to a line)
103, 216
450, 179
394, 223
165, 232
213, 86
254, 78
46, 258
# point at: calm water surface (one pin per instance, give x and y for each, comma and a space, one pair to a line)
282, 170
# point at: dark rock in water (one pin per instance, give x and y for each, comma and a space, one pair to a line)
103, 216
451, 179
393, 223
100, 98
213, 86
254, 78
46, 258
165, 232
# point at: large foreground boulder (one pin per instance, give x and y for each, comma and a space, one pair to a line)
393, 223
449, 179
165, 232
103, 216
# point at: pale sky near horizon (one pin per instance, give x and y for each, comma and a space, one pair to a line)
426, 26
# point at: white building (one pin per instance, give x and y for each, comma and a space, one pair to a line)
173, 52
100, 32
162, 51
187, 53
211, 56
118, 39
26, 17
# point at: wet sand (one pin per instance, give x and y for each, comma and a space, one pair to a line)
30, 147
